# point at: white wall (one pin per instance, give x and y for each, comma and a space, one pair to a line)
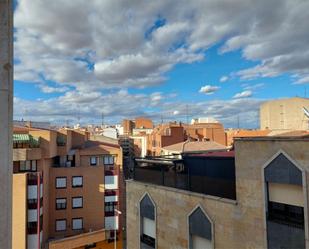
111, 222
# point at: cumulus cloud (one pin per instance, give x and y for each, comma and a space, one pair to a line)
208, 89
244, 94
93, 46
85, 42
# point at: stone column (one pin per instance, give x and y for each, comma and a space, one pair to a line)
6, 117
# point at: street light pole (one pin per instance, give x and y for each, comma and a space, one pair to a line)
115, 228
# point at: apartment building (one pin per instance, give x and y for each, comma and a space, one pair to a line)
254, 197
168, 134
206, 131
137, 126
164, 135
285, 114
74, 181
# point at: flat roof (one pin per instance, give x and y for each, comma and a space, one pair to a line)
274, 138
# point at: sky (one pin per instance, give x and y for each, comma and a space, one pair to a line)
79, 61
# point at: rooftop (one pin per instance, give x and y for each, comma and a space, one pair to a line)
189, 146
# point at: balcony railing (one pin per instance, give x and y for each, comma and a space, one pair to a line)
210, 176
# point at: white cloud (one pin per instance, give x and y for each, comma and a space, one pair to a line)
73, 36
121, 104
244, 94
49, 89
224, 79
208, 89
93, 47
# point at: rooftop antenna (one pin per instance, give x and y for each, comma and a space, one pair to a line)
102, 119
78, 115
187, 113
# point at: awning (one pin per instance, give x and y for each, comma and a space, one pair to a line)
26, 139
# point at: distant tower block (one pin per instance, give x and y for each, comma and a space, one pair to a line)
284, 114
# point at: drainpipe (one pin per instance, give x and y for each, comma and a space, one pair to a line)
6, 117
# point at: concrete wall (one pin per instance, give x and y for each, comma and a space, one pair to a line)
19, 215
284, 114
6, 117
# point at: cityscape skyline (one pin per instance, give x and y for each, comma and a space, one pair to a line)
160, 60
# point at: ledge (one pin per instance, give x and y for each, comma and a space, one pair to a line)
185, 192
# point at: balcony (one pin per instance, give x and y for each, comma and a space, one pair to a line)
23, 154
209, 175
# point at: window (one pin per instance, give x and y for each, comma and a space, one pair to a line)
200, 230
286, 214
77, 181
93, 160
108, 159
33, 165
29, 165
77, 202
61, 203
110, 208
77, 223
61, 225
147, 223
61, 182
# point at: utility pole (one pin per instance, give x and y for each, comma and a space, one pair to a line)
6, 121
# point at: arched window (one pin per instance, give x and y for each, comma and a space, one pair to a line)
147, 223
284, 204
200, 230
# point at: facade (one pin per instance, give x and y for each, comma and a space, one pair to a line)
164, 135
285, 114
73, 181
256, 198
206, 132
172, 133
139, 125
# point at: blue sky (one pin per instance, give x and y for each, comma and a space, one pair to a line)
211, 58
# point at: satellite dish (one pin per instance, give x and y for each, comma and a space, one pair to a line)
306, 112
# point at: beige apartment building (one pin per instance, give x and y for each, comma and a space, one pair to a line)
285, 114
73, 181
254, 198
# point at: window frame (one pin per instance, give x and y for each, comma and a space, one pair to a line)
65, 225
60, 177
96, 161
107, 158
77, 218
77, 186
75, 198
61, 198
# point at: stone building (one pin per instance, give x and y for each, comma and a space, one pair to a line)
256, 198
